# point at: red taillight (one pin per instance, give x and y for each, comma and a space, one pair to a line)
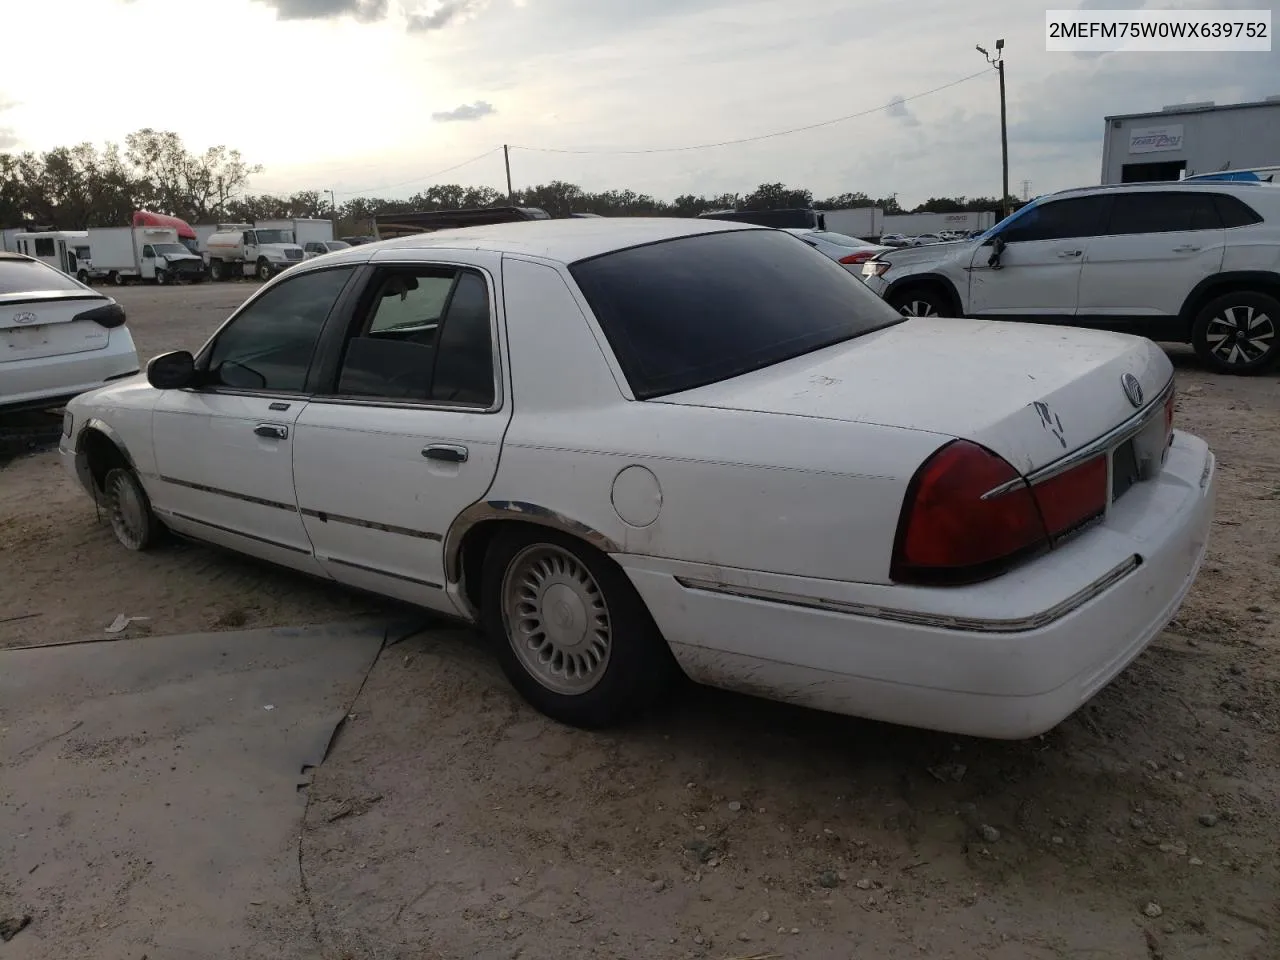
969, 515
1073, 498
1169, 406
862, 256
949, 534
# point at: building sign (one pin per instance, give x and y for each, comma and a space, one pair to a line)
1156, 139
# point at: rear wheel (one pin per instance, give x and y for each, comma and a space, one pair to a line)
1238, 332
117, 279
570, 631
920, 302
129, 510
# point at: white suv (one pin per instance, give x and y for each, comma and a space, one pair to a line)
1194, 263
58, 338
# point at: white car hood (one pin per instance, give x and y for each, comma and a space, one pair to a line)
930, 252
1030, 393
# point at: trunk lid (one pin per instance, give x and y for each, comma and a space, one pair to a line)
43, 324
1031, 393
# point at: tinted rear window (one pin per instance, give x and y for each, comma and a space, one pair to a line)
29, 276
684, 313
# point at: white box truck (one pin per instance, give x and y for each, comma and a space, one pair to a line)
121, 255
864, 223
261, 252
304, 231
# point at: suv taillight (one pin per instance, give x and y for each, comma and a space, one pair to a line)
1170, 405
969, 515
862, 256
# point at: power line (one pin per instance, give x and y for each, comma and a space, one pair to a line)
429, 176
763, 136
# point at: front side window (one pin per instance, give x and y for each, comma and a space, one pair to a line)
44, 247
268, 346
684, 313
1059, 220
422, 334
148, 253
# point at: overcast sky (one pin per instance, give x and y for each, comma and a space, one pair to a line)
371, 96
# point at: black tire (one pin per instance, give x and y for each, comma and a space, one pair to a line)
117, 279
129, 510
1238, 333
635, 674
162, 277
83, 277
264, 271
920, 302
215, 271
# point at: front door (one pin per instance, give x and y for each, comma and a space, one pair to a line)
408, 434
1037, 275
224, 451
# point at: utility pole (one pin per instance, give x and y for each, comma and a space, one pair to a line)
998, 62
333, 202
506, 158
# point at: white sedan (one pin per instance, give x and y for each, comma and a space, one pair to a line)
58, 337
851, 252
628, 448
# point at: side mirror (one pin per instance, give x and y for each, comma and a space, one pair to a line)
997, 248
172, 371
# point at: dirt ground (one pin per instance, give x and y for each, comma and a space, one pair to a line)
452, 821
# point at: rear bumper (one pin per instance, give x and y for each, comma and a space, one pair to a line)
1008, 659
51, 381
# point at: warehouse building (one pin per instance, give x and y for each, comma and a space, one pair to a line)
1189, 139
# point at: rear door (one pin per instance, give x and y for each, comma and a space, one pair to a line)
1157, 246
38, 310
1037, 276
407, 434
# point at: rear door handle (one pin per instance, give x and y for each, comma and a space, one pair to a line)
1186, 248
272, 431
446, 453
1069, 253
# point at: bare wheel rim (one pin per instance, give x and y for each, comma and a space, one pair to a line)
128, 513
556, 619
919, 308
1240, 335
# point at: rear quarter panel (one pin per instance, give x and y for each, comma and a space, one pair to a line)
795, 495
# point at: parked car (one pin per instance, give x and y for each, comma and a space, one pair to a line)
1186, 262
318, 248
58, 337
850, 252
357, 241
894, 240
757, 473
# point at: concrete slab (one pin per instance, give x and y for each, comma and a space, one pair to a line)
151, 789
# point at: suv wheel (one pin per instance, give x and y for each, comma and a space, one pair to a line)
1238, 332
920, 302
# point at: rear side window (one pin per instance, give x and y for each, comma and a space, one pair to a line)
1235, 212
27, 276
684, 313
44, 247
1059, 220
1163, 212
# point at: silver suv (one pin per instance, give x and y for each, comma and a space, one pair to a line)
1185, 262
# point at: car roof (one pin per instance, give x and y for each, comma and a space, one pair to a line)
564, 241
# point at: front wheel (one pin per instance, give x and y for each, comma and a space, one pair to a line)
215, 271
83, 277
264, 271
920, 302
161, 278
570, 631
129, 510
1238, 332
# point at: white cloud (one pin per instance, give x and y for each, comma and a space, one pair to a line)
468, 111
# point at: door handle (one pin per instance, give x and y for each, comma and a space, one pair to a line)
446, 453
1186, 248
272, 431
1069, 253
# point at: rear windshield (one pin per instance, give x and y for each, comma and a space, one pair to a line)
688, 312
29, 276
